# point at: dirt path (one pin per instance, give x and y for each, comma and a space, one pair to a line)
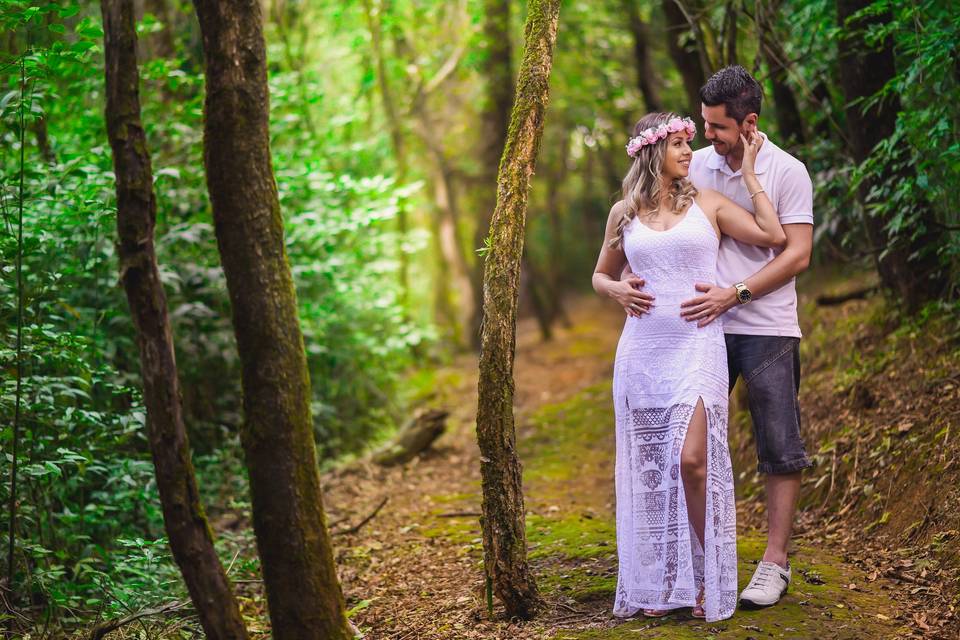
415, 571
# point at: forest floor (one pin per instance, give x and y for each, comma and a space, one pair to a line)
415, 570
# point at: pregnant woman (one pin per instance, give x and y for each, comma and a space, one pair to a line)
676, 518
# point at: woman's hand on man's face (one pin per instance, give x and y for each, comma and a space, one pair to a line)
751, 141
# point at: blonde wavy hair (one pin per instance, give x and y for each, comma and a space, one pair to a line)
642, 185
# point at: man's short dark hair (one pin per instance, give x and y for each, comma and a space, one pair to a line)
734, 88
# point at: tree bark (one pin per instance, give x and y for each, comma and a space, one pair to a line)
647, 79
534, 287
303, 592
686, 60
504, 536
789, 121
191, 540
907, 264
162, 43
495, 120
375, 26
728, 46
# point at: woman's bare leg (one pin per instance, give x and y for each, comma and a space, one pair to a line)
693, 469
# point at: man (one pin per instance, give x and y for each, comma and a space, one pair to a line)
756, 292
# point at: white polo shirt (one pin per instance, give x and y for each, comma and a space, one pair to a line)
787, 183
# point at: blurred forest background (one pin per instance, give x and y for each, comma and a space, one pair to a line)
386, 133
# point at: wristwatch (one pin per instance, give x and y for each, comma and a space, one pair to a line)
743, 294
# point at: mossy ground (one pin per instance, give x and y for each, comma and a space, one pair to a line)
420, 561
567, 448
568, 453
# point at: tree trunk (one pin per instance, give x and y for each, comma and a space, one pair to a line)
162, 43
456, 270
533, 287
907, 265
495, 120
647, 80
556, 179
789, 121
686, 60
728, 46
375, 26
504, 535
191, 540
303, 592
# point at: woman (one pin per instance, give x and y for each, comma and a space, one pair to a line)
676, 518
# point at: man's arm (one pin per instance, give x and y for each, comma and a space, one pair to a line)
794, 259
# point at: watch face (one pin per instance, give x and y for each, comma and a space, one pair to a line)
744, 295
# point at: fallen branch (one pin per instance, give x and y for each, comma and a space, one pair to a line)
357, 526
414, 437
856, 294
459, 514
103, 629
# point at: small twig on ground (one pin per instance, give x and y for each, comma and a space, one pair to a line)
359, 525
103, 629
459, 514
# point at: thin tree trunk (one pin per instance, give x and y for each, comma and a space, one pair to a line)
558, 247
375, 26
303, 592
686, 61
504, 536
728, 45
907, 264
533, 287
191, 540
789, 121
161, 42
647, 79
43, 140
495, 120
457, 270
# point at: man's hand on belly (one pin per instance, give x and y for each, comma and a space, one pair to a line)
714, 302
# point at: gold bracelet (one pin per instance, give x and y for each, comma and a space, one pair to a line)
756, 192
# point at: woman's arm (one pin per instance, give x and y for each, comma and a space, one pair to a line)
764, 228
610, 264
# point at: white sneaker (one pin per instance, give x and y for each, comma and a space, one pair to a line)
767, 586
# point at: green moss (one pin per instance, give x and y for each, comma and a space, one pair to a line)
572, 536
820, 604
471, 498
461, 530
569, 438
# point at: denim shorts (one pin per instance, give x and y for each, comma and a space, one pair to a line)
770, 366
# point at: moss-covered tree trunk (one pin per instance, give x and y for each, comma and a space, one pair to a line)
504, 535
191, 540
907, 263
494, 122
303, 592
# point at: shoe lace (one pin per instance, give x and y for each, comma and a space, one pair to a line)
762, 575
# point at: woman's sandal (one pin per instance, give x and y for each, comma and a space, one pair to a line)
656, 613
698, 611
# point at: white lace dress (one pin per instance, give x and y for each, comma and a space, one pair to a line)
664, 364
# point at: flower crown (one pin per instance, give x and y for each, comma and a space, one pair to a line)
659, 132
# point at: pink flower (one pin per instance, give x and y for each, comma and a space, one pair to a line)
661, 131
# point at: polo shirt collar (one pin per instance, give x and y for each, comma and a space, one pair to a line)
717, 162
